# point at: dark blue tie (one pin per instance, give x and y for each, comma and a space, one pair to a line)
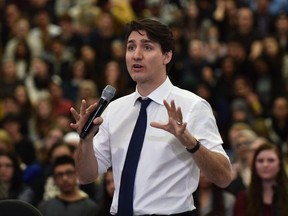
125, 202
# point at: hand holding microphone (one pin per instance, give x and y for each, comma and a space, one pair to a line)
107, 94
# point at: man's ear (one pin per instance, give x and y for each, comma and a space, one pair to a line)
167, 57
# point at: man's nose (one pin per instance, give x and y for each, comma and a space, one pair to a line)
137, 53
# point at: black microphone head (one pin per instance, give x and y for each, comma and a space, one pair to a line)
108, 93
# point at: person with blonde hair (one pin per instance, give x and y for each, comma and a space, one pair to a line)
6, 144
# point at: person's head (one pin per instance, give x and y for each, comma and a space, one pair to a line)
8, 70
88, 90
55, 88
106, 24
242, 141
11, 122
196, 50
66, 23
270, 46
88, 54
22, 28
10, 171
281, 23
240, 111
216, 193
10, 105
43, 109
149, 48
6, 144
280, 108
42, 18
59, 149
21, 95
242, 86
118, 49
267, 164
245, 19
63, 121
268, 169
78, 70
109, 183
254, 146
12, 13
108, 186
64, 174
112, 71
156, 32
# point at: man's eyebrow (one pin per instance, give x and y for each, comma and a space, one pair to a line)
142, 41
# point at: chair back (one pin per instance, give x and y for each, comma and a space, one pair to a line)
17, 207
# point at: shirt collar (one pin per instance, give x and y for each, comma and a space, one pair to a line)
159, 94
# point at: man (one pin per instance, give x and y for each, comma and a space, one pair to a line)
71, 201
168, 167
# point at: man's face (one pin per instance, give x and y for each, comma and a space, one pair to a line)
145, 61
65, 178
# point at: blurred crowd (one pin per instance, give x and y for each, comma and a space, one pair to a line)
54, 53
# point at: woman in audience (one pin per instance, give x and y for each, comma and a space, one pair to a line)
212, 200
267, 193
106, 200
12, 181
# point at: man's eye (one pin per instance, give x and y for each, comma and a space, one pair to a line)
130, 48
148, 48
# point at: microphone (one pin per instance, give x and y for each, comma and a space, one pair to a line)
107, 94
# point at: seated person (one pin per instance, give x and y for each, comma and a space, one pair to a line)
70, 201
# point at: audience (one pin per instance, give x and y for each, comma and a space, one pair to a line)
233, 53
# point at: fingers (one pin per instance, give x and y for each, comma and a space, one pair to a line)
83, 107
74, 114
175, 113
82, 116
83, 113
158, 125
83, 110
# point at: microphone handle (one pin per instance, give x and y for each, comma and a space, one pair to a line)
101, 106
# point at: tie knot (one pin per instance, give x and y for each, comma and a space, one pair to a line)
144, 103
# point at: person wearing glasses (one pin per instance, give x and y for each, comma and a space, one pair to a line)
70, 201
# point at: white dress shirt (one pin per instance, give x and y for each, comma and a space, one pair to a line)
166, 175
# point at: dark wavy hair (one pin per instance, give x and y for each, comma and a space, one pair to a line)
16, 183
255, 191
156, 32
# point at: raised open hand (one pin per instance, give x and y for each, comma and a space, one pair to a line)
82, 117
175, 124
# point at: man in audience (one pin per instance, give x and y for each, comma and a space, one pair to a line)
70, 201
